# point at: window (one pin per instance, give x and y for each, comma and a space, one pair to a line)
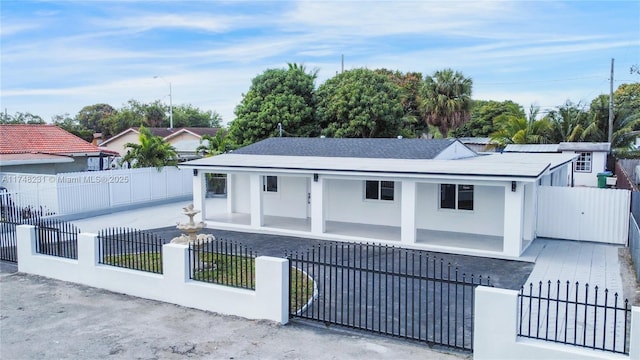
270, 183
378, 190
583, 163
456, 197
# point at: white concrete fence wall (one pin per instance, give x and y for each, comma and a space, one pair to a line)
496, 333
78, 192
269, 300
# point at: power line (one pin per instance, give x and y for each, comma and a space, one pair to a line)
541, 81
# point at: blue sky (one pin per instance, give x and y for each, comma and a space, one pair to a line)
59, 56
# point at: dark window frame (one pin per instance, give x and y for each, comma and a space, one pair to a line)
456, 197
270, 183
379, 190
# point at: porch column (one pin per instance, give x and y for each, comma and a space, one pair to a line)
408, 212
199, 193
317, 205
256, 200
513, 219
230, 208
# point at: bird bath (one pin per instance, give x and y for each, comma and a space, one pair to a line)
190, 230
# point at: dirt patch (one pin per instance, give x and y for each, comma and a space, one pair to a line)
630, 282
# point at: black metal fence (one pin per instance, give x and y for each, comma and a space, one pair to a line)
56, 238
222, 262
387, 290
566, 314
131, 249
11, 216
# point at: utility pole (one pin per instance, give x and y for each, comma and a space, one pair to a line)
610, 137
342, 64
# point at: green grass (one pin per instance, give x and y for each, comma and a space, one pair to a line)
150, 262
230, 270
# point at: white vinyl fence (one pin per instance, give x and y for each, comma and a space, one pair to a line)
588, 214
78, 192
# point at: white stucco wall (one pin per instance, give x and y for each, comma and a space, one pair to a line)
487, 218
496, 329
598, 165
290, 200
345, 202
530, 207
240, 194
268, 301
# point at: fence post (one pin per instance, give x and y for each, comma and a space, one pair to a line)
272, 288
26, 246
495, 322
175, 264
634, 346
88, 248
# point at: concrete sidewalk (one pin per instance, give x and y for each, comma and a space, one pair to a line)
49, 319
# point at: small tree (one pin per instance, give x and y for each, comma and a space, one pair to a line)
152, 151
212, 145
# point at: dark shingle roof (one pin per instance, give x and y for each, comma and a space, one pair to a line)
356, 148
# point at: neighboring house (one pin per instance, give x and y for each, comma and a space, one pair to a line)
592, 158
432, 194
185, 140
478, 144
48, 149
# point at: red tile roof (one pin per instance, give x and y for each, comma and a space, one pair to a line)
46, 139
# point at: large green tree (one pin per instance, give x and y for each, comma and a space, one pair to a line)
446, 100
21, 118
71, 125
360, 103
92, 117
151, 151
483, 115
191, 116
410, 84
277, 96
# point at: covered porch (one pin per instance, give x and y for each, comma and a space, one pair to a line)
334, 209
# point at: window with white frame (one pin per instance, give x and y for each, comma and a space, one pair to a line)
270, 183
583, 163
378, 190
456, 197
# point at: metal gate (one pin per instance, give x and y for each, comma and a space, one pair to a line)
386, 290
588, 214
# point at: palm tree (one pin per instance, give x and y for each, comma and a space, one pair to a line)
521, 130
568, 123
626, 124
446, 100
152, 151
212, 145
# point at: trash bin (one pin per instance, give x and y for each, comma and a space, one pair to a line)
602, 179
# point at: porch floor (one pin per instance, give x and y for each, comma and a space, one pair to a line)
461, 240
448, 239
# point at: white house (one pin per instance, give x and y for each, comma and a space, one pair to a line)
592, 158
431, 194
